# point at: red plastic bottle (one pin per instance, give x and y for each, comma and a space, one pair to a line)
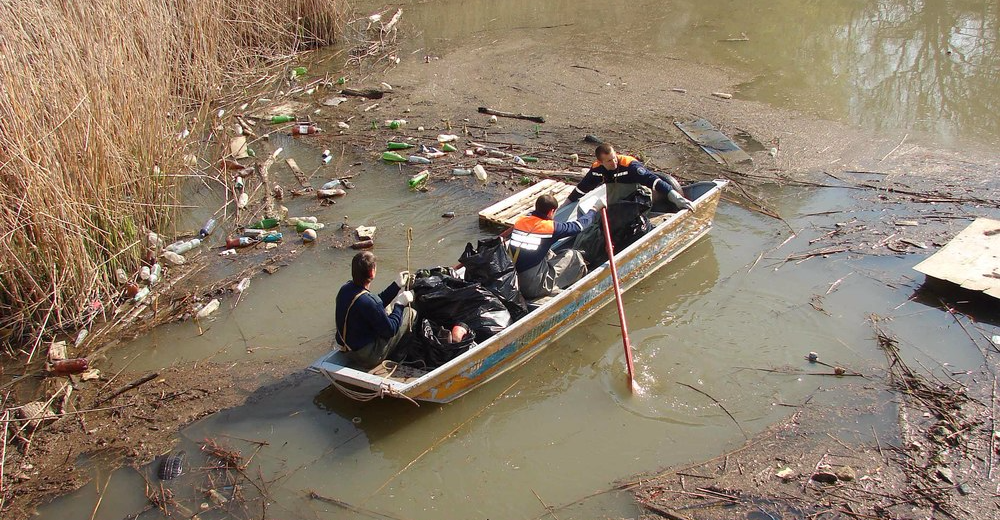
240, 242
305, 129
65, 367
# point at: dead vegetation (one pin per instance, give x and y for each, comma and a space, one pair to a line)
97, 116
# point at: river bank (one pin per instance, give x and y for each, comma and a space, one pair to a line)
839, 228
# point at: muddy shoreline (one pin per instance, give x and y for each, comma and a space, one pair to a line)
441, 95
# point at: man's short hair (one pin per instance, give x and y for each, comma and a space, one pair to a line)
545, 203
603, 149
361, 267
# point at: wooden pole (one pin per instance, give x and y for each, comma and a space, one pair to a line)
618, 298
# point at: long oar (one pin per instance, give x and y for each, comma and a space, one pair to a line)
618, 298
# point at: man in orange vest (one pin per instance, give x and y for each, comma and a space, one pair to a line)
621, 173
541, 272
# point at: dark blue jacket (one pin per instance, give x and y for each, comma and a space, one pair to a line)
533, 236
629, 171
367, 320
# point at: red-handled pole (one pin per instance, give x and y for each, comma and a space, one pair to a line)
618, 298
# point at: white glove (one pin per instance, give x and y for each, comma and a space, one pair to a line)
404, 298
402, 278
679, 200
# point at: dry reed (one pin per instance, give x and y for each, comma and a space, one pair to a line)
93, 97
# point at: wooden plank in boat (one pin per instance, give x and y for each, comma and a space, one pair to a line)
971, 259
507, 211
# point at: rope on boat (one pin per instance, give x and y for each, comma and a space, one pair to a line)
384, 389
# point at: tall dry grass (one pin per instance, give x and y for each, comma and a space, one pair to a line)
92, 97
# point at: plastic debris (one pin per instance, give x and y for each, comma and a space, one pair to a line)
208, 309
331, 193
480, 173
366, 232
722, 95
295, 220
306, 129
447, 138
309, 235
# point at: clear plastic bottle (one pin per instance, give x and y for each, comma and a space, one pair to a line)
155, 273
207, 228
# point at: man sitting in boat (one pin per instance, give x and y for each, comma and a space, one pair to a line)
364, 329
540, 272
621, 173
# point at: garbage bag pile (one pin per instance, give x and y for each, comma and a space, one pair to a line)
490, 264
442, 301
628, 222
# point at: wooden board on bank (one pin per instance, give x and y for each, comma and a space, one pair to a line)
507, 211
971, 259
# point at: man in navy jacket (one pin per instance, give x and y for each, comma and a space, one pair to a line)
364, 329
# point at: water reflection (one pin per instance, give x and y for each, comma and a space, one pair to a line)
896, 65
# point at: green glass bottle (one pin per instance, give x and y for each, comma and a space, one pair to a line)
301, 226
398, 146
266, 223
448, 148
418, 179
282, 119
392, 157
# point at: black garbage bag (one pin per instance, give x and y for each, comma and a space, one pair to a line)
431, 345
490, 264
628, 222
434, 271
446, 299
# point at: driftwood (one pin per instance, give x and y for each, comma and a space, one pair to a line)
499, 113
299, 176
556, 174
134, 384
370, 93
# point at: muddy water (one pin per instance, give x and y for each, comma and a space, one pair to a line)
565, 425
927, 68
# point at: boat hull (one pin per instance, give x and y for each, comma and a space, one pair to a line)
529, 336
